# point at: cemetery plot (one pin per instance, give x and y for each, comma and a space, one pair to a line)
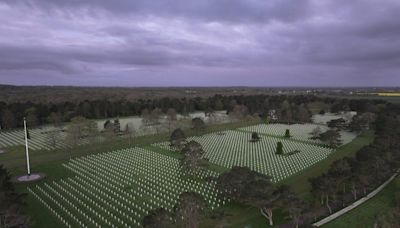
119, 188
297, 131
232, 148
40, 138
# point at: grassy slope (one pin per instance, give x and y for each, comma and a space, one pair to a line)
364, 216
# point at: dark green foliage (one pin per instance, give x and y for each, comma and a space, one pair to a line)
332, 137
193, 159
254, 189
254, 137
177, 138
158, 218
11, 203
348, 179
198, 124
112, 102
117, 126
337, 123
279, 148
362, 122
287, 133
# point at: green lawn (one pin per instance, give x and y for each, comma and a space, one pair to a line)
50, 162
364, 215
299, 181
15, 156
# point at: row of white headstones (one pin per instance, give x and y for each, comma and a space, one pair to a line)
233, 148
119, 188
39, 138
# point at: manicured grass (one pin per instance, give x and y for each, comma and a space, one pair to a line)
15, 156
299, 181
365, 215
288, 138
50, 162
40, 215
239, 216
243, 216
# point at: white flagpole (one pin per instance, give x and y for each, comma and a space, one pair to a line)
27, 149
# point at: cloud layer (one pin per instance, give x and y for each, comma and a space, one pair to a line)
200, 43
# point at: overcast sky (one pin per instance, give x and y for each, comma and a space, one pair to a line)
200, 42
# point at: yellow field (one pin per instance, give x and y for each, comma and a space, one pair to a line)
389, 94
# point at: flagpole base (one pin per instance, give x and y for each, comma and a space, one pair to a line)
29, 178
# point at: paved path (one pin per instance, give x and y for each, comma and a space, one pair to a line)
355, 204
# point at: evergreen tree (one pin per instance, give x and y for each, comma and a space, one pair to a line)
279, 148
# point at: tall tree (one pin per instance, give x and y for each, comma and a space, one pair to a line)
177, 138
315, 133
279, 148
55, 118
332, 137
31, 117
251, 188
254, 137
171, 118
158, 218
190, 209
81, 129
198, 124
287, 133
130, 130
193, 157
8, 119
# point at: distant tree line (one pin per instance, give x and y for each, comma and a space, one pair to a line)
288, 108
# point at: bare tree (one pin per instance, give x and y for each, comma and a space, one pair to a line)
8, 120
130, 131
54, 137
171, 118
80, 130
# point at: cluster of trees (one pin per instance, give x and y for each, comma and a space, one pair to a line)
191, 206
254, 189
11, 203
351, 178
188, 212
288, 108
192, 152
81, 130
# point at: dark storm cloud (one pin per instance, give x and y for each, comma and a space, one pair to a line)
226, 42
